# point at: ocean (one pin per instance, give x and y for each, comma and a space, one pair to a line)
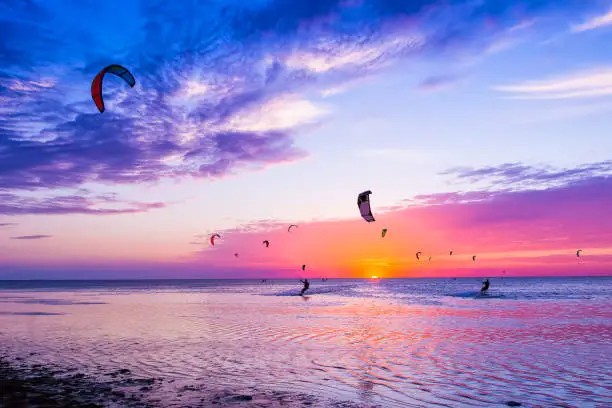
540, 342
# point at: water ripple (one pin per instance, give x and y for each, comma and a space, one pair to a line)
365, 349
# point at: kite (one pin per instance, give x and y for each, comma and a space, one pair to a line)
578, 253
429, 260
451, 252
418, 254
303, 267
384, 232
236, 254
266, 243
292, 225
96, 84
363, 202
212, 238
474, 258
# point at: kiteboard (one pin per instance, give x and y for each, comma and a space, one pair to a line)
487, 296
477, 295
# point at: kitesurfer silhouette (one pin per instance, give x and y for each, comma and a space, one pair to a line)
306, 286
485, 286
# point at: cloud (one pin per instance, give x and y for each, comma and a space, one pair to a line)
593, 23
29, 237
12, 204
451, 198
521, 176
284, 112
438, 83
7, 224
580, 203
583, 84
219, 86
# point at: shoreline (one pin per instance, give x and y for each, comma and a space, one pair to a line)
27, 385
34, 385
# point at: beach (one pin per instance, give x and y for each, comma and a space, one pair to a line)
347, 343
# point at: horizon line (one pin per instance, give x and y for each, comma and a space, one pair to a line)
256, 279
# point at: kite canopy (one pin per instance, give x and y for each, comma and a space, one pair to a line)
451, 252
212, 238
418, 254
384, 232
292, 225
236, 254
303, 267
578, 253
363, 202
96, 84
474, 258
266, 243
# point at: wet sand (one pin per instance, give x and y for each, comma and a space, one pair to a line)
23, 385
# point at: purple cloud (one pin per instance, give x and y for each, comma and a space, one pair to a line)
573, 215
527, 193
525, 176
32, 237
202, 72
11, 204
452, 198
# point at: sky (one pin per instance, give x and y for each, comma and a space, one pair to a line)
480, 126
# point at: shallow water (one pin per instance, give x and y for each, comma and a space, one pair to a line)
405, 342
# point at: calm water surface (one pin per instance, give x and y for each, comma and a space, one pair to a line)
405, 342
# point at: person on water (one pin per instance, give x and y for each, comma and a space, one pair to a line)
306, 286
485, 286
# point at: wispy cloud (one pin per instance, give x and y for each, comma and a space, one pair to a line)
282, 113
13, 204
31, 237
212, 80
521, 176
582, 84
593, 23
438, 83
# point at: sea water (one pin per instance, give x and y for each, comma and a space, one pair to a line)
388, 342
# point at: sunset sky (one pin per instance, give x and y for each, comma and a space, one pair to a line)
484, 127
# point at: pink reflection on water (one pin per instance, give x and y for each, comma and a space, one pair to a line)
369, 350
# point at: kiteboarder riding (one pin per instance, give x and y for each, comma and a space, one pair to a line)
306, 286
485, 286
